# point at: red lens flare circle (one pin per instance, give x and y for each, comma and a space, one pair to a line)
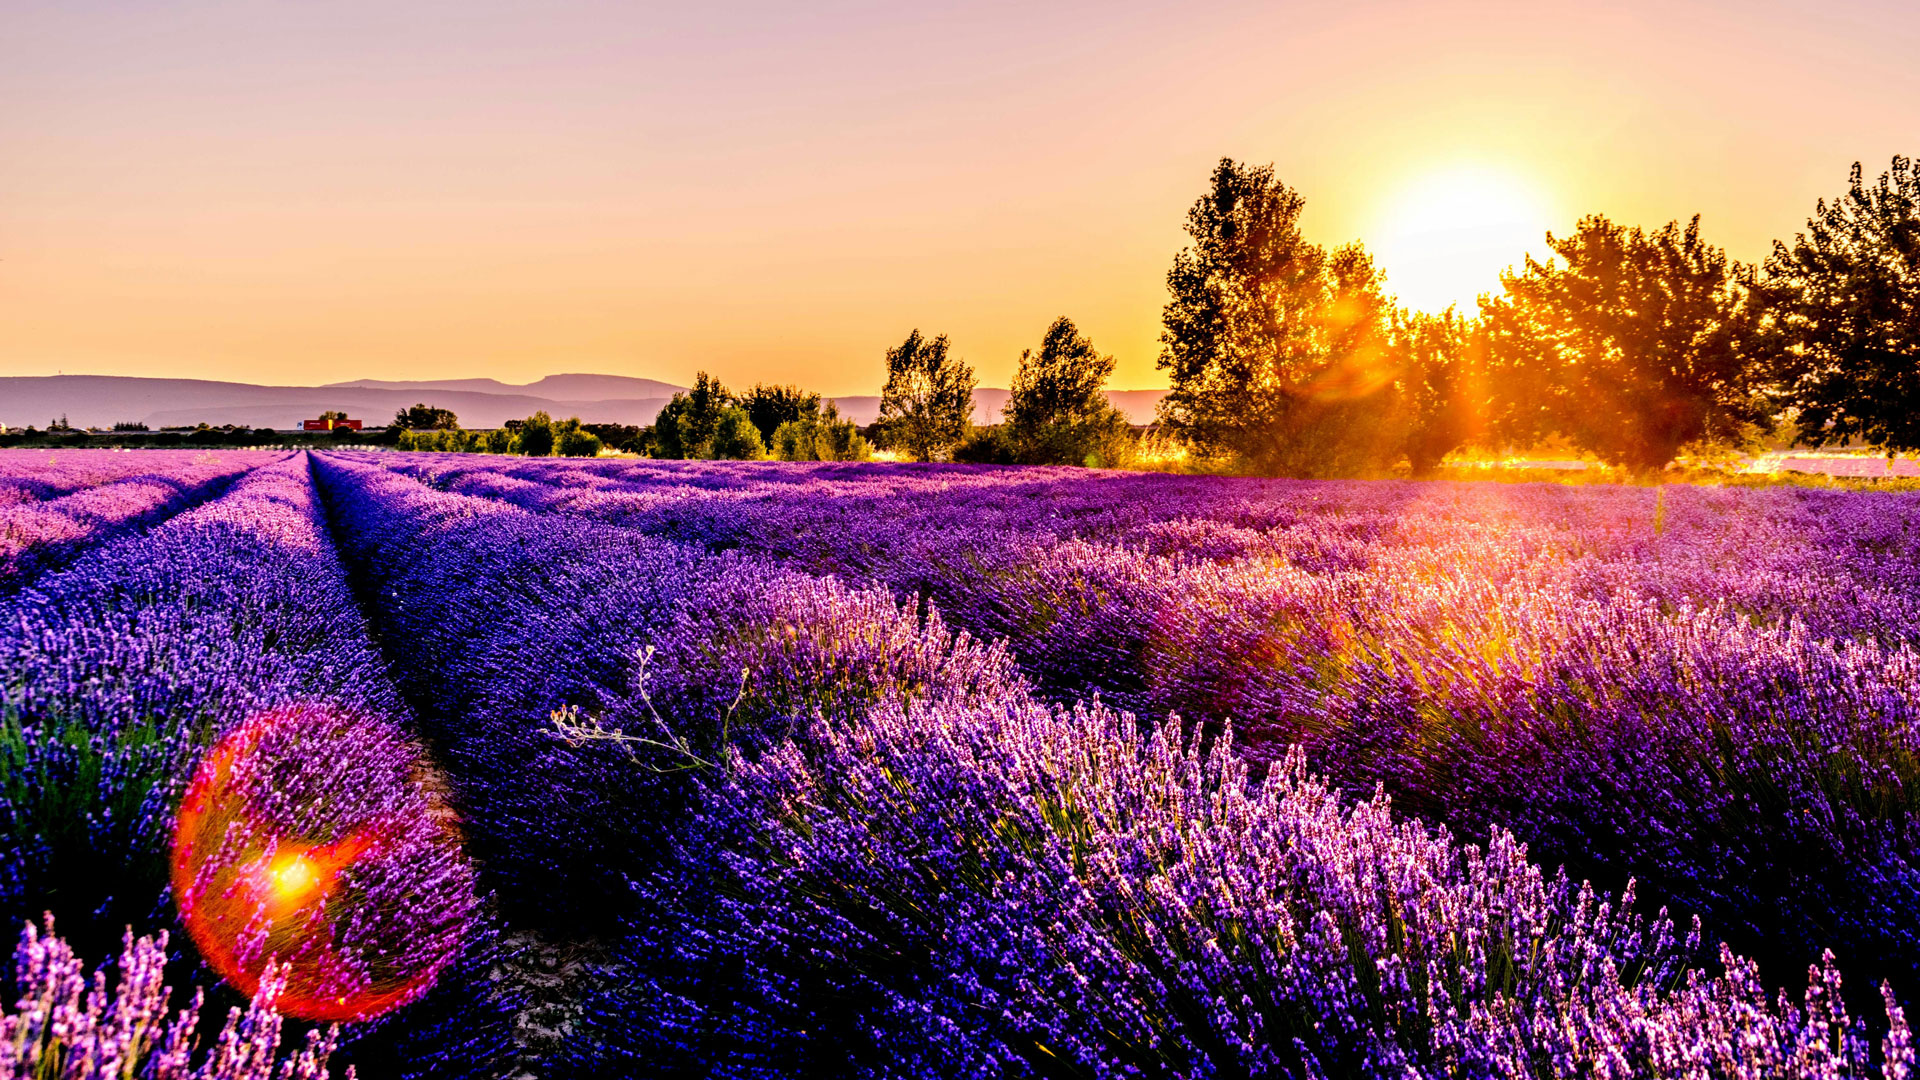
318, 842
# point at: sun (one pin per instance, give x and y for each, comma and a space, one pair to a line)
1445, 236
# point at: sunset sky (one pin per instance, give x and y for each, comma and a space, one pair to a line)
287, 192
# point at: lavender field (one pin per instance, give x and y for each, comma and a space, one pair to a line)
538, 767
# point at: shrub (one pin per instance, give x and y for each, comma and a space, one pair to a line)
986, 446
578, 443
820, 436
736, 438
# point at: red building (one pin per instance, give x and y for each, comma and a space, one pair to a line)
330, 425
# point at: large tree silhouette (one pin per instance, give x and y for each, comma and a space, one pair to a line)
1630, 343
1846, 300
928, 400
1057, 412
1276, 347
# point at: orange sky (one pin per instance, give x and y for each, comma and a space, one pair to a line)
297, 193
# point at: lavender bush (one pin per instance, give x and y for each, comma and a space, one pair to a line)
66, 1027
308, 845
1014, 890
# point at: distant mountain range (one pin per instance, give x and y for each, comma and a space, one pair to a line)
105, 400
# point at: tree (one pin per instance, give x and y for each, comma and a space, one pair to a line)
927, 404
578, 442
1845, 300
617, 436
1276, 347
735, 438
1640, 343
422, 417
1058, 412
822, 436
536, 435
770, 406
1441, 367
333, 414
687, 424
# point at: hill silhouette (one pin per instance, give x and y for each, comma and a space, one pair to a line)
104, 400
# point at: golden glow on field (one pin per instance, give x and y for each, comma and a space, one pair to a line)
1445, 236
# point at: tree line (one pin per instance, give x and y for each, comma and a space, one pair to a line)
1057, 413
1288, 358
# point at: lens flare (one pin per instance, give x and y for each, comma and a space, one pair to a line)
312, 840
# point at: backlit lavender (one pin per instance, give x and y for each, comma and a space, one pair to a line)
839, 769
306, 843
68, 1026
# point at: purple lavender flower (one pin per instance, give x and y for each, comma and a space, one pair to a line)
67, 1027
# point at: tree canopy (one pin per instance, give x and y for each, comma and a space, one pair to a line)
424, 417
819, 436
1276, 347
706, 421
1630, 343
1845, 299
770, 406
927, 404
1440, 361
1057, 412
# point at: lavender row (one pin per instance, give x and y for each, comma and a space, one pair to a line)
125, 667
35, 535
654, 656
1008, 890
32, 476
1711, 690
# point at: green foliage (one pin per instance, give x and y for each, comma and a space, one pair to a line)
1638, 344
1277, 348
624, 437
1846, 311
735, 438
499, 442
422, 417
579, 443
986, 446
927, 404
77, 819
1058, 412
446, 442
821, 436
536, 435
771, 406
687, 425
